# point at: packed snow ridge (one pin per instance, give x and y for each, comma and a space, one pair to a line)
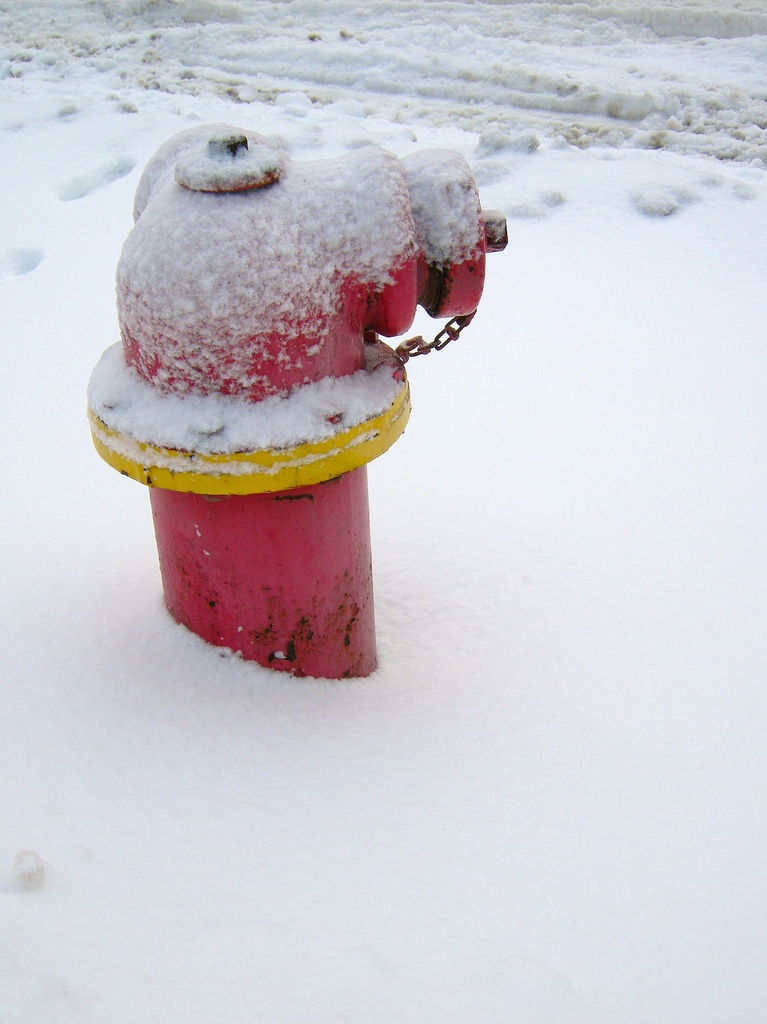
567, 69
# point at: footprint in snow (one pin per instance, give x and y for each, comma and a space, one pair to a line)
78, 188
20, 261
736, 187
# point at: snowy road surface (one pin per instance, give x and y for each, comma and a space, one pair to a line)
549, 802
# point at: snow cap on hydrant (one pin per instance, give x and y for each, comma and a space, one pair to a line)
251, 388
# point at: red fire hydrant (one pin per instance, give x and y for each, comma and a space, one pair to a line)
250, 389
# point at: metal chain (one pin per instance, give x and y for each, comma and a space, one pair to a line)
418, 347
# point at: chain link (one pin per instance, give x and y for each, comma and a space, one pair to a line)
419, 347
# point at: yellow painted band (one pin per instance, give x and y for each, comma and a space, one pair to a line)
252, 472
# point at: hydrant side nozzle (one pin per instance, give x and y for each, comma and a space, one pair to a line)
430, 281
451, 289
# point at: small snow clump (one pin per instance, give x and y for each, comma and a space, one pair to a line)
661, 200
28, 869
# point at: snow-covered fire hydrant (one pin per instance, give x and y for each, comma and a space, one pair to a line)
251, 389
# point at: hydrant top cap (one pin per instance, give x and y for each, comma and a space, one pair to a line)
228, 164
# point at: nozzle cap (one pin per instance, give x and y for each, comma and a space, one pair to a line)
496, 231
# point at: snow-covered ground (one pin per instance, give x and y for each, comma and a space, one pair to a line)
549, 803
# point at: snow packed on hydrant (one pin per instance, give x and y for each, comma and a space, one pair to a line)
224, 424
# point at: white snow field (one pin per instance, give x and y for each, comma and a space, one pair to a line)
549, 803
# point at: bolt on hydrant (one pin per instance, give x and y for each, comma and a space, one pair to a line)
251, 389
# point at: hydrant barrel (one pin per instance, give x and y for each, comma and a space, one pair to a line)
251, 388
284, 579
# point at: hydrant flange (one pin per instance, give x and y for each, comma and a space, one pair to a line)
212, 469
